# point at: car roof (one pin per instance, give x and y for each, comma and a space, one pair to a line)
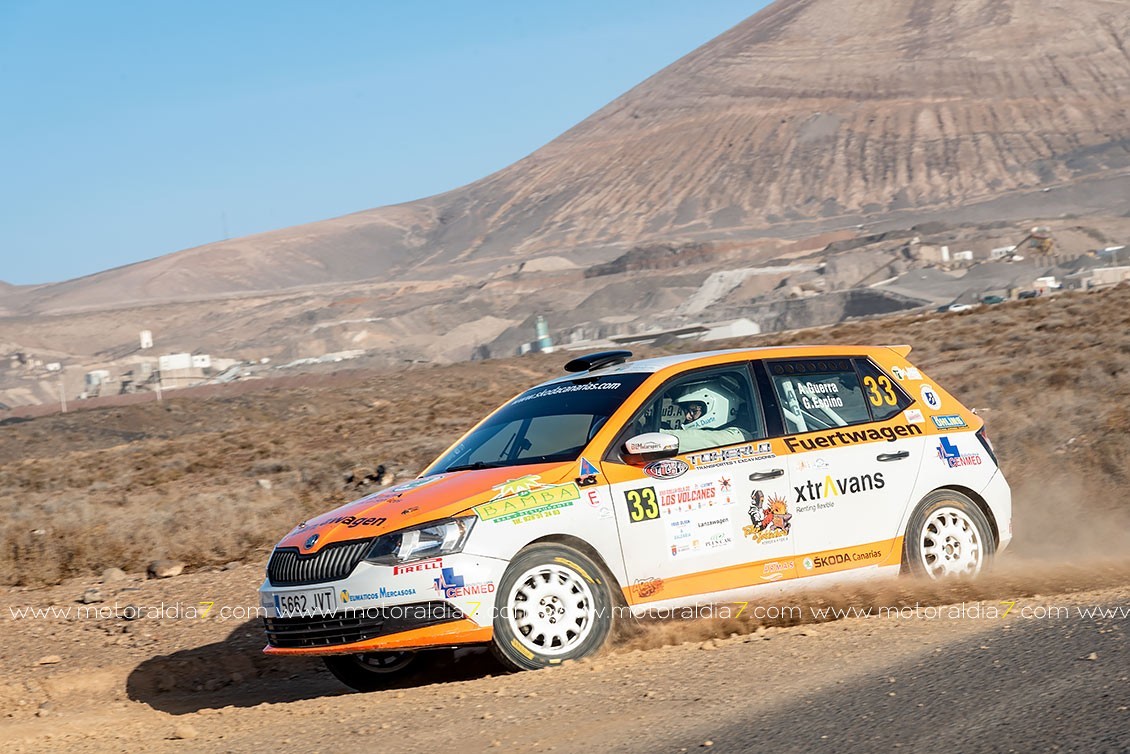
705, 358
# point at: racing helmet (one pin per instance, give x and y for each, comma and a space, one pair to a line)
719, 405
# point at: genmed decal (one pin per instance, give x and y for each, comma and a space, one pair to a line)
540, 502
451, 584
769, 518
948, 452
851, 437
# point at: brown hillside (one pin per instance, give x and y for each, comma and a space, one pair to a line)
810, 110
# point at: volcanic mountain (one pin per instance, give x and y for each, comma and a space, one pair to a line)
825, 111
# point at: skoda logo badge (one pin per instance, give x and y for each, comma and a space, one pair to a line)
310, 541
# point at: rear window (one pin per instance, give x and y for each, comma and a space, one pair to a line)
819, 394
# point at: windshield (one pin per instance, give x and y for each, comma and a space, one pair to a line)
546, 423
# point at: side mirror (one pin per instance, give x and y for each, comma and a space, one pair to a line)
648, 447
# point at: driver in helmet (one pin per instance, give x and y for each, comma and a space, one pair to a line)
708, 411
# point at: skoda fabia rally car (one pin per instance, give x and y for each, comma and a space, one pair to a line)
629, 486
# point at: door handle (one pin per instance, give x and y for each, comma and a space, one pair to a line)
758, 476
893, 456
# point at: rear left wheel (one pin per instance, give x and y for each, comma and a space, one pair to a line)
948, 535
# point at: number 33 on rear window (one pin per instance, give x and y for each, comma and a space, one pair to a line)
879, 391
642, 505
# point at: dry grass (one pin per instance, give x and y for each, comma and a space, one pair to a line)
122, 485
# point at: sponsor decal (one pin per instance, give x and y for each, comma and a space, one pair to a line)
808, 564
953, 457
930, 397
913, 373
691, 497
851, 437
383, 593
420, 567
775, 570
648, 587
769, 518
845, 557
352, 522
451, 584
529, 501
730, 456
913, 416
823, 493
898, 373
666, 469
815, 463
588, 473
698, 532
724, 484
642, 505
948, 421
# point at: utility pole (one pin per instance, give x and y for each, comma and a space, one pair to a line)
62, 392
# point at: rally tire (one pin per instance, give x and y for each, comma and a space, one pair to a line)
373, 671
554, 604
948, 536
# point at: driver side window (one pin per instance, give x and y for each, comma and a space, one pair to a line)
705, 410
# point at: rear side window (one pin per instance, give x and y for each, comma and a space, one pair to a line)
884, 396
816, 394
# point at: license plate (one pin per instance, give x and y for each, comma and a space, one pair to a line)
307, 602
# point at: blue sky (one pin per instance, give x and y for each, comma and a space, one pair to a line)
129, 130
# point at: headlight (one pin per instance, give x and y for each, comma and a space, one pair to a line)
426, 541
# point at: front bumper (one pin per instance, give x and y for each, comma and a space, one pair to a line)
441, 602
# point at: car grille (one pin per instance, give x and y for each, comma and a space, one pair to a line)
288, 567
354, 625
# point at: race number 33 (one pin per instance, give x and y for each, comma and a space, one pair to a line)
642, 504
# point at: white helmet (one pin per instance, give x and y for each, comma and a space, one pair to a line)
720, 405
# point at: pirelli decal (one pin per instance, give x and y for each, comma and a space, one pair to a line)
842, 437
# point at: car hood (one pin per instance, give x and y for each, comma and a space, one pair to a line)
419, 501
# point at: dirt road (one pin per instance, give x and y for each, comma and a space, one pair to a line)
1021, 661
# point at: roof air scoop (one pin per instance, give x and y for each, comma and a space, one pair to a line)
592, 361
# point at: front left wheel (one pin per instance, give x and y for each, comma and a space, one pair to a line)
555, 604
372, 671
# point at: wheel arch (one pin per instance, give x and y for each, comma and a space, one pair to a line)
980, 502
577, 543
